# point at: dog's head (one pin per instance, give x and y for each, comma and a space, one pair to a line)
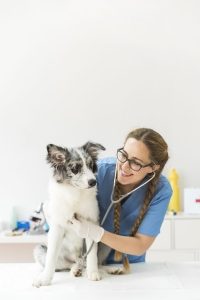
76, 166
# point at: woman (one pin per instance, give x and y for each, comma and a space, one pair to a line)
140, 197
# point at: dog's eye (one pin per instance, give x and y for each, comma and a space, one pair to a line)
75, 169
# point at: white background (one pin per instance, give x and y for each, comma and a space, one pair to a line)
72, 71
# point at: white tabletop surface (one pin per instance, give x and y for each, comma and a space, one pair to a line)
146, 281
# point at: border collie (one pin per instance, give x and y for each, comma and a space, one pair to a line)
72, 190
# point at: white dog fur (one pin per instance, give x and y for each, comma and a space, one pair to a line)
72, 190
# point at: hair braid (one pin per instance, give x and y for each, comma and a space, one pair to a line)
117, 211
144, 208
118, 256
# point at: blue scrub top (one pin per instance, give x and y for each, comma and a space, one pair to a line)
131, 207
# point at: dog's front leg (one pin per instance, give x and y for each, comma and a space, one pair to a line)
92, 261
55, 237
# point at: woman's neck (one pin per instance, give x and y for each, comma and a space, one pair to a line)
124, 189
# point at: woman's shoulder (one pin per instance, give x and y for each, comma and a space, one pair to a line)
106, 162
164, 184
106, 166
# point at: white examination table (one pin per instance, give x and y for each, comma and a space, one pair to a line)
147, 281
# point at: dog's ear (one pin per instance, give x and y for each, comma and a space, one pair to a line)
93, 148
56, 155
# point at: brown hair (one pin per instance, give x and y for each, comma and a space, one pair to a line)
159, 155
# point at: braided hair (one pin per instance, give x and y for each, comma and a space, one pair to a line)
159, 155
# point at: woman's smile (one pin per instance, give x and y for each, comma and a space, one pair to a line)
124, 174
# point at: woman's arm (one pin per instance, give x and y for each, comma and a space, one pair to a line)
136, 245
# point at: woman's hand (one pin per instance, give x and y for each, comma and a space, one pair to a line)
86, 229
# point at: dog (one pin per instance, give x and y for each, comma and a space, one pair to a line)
72, 191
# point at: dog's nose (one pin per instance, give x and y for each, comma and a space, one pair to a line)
92, 182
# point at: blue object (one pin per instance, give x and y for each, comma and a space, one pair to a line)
153, 219
25, 225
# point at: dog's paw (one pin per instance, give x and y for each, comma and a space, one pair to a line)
41, 280
75, 271
94, 275
114, 270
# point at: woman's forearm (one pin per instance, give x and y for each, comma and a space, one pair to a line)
125, 244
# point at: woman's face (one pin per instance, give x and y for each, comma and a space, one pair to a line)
139, 152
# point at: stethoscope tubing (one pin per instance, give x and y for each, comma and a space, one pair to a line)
112, 201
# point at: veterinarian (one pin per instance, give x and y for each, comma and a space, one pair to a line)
133, 197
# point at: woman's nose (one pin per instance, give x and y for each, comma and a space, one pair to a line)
125, 165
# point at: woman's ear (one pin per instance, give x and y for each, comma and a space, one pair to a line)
155, 167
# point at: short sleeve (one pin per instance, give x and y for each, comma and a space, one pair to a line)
154, 217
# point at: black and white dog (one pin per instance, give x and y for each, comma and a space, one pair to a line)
72, 190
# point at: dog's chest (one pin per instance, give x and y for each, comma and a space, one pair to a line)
66, 200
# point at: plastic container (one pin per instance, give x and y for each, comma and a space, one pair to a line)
174, 204
25, 225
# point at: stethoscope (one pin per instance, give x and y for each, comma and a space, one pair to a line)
112, 201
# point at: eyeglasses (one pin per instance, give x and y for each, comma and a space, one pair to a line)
133, 164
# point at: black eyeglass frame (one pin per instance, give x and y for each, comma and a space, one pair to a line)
133, 160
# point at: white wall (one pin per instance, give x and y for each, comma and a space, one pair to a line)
72, 71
